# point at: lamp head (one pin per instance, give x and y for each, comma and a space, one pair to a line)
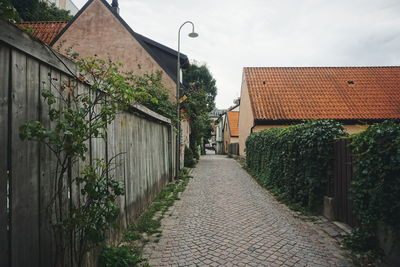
193, 34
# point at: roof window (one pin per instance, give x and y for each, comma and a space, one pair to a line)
350, 82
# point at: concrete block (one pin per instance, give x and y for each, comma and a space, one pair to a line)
329, 211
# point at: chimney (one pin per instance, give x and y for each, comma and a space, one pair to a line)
115, 6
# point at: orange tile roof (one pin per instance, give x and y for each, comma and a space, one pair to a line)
45, 31
233, 120
324, 92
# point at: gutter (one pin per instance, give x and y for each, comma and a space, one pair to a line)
251, 129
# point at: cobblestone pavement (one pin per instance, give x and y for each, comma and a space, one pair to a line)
224, 218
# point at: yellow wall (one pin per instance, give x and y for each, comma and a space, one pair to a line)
352, 129
98, 32
228, 139
246, 118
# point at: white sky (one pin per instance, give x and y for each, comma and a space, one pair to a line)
248, 33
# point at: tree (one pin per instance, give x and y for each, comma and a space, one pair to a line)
35, 10
201, 91
8, 12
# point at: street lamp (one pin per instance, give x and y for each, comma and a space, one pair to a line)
193, 34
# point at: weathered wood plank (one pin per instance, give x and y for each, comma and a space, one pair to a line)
24, 168
13, 36
4, 104
47, 172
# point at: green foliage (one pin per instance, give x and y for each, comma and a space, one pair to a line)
90, 220
151, 92
201, 91
76, 117
190, 161
295, 162
147, 223
8, 12
123, 256
375, 190
130, 235
35, 10
198, 77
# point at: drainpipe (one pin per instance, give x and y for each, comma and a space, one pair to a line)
251, 129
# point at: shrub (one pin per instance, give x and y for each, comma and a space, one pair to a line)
123, 256
189, 161
375, 190
295, 162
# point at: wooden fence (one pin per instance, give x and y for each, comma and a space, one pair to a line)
26, 168
233, 149
343, 176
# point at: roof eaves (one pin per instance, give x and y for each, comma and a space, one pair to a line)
248, 90
140, 38
165, 48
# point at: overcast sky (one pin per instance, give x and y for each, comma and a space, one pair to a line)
248, 33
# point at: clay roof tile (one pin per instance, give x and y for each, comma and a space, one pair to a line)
279, 93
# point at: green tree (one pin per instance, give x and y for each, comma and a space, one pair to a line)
152, 93
35, 10
201, 91
8, 12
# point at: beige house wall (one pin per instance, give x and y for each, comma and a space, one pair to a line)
98, 32
246, 118
352, 129
234, 139
227, 135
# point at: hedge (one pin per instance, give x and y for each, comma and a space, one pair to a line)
375, 190
296, 161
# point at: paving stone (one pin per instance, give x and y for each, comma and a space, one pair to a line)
224, 218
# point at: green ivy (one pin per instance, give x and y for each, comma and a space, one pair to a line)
122, 256
375, 190
295, 162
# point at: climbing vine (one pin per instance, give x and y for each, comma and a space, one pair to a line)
375, 190
295, 162
77, 115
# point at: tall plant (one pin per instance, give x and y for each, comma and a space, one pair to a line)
375, 190
76, 116
201, 91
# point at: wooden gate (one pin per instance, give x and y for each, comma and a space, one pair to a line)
343, 177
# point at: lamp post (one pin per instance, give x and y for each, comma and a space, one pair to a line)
193, 34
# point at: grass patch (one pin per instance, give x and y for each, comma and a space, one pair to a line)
121, 256
148, 224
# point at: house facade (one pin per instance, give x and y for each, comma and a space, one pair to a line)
98, 30
216, 141
231, 129
355, 96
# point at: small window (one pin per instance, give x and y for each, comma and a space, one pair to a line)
350, 82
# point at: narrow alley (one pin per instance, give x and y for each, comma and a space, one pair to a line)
224, 218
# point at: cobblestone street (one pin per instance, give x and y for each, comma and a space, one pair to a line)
224, 218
